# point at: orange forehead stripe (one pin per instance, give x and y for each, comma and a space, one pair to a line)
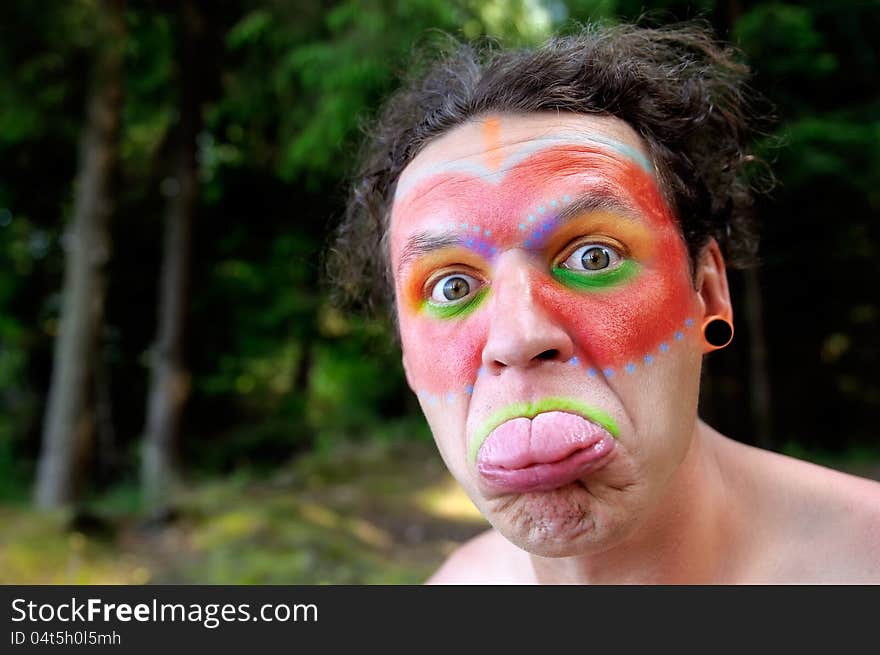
492, 143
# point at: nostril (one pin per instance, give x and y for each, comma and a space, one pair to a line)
549, 354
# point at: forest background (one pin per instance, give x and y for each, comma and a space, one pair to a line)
180, 401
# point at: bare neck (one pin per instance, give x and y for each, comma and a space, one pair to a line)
691, 537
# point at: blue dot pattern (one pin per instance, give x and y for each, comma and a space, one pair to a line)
535, 231
451, 397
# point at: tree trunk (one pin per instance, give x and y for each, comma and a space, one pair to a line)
169, 385
69, 421
105, 432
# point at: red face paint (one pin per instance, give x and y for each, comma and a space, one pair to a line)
615, 330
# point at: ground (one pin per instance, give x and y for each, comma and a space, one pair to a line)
385, 513
365, 514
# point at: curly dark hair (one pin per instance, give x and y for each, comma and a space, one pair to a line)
683, 92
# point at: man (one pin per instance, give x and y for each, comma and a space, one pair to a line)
555, 226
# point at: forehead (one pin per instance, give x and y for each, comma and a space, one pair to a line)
492, 145
493, 167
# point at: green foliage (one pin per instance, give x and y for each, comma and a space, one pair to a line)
782, 41
40, 51
843, 146
513, 22
149, 110
276, 370
351, 385
328, 70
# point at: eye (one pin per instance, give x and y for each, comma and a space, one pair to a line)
592, 257
452, 288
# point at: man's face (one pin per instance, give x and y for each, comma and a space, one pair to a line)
549, 323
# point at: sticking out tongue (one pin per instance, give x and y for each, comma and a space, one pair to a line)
549, 451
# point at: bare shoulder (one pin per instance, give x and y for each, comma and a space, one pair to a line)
843, 496
827, 522
488, 558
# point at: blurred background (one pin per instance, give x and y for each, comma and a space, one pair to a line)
179, 400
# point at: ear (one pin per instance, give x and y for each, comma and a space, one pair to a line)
711, 283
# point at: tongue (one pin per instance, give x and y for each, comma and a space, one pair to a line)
547, 438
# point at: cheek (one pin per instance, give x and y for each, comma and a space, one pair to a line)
635, 324
443, 356
629, 326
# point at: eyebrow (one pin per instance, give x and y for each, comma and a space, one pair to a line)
593, 201
424, 243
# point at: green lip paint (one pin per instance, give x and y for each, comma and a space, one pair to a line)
531, 410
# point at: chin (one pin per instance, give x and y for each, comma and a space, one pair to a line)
560, 523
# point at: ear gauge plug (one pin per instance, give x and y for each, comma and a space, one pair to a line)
717, 332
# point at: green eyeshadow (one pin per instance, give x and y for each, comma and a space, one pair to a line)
455, 310
599, 280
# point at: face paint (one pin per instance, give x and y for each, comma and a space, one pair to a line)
492, 143
530, 410
549, 202
455, 310
605, 280
494, 167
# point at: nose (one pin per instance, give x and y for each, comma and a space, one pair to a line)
522, 332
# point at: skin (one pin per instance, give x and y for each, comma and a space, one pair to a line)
509, 204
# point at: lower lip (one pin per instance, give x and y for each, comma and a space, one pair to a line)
589, 452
